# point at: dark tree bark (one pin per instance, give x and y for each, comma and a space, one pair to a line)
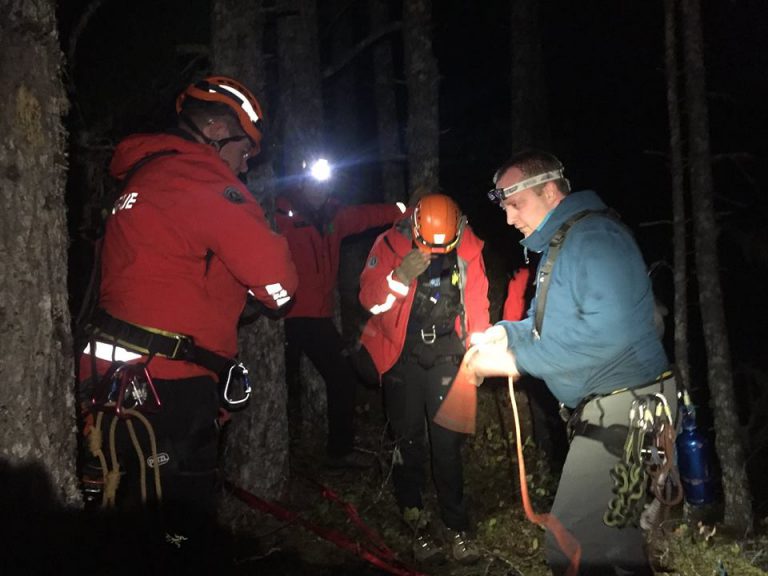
529, 126
301, 104
421, 73
300, 119
256, 446
37, 400
738, 505
390, 147
528, 118
677, 169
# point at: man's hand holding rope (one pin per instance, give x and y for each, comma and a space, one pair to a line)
489, 356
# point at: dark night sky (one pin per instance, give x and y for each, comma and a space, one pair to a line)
606, 95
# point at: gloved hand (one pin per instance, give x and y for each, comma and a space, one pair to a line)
493, 336
490, 356
414, 263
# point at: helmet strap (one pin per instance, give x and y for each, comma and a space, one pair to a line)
197, 132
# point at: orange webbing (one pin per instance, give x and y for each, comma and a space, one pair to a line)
458, 412
568, 544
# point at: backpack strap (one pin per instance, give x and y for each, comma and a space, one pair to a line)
545, 272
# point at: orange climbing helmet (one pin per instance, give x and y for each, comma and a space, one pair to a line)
227, 91
437, 224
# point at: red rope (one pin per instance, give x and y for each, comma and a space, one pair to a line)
380, 556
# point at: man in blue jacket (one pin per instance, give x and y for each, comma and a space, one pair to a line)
590, 336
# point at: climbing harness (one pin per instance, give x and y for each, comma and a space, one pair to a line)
647, 457
373, 551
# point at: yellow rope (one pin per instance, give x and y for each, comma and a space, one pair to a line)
94, 445
153, 447
111, 477
140, 457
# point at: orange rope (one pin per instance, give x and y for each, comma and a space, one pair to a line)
568, 544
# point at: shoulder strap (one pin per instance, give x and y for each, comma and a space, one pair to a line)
545, 272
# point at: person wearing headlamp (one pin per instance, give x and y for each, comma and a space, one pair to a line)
590, 335
315, 223
426, 288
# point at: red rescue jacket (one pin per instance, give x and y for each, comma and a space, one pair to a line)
315, 240
515, 302
185, 245
384, 333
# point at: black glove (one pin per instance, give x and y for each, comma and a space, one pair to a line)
414, 263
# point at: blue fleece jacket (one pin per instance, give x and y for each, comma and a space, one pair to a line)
597, 334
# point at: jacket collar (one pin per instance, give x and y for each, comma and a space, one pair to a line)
573, 203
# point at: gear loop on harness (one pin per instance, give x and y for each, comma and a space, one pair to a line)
647, 458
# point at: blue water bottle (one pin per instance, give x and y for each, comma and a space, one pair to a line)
693, 458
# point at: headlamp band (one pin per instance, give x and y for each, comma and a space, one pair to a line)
503, 193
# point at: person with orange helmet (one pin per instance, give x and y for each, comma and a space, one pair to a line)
185, 246
425, 285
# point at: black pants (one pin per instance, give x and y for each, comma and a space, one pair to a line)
321, 342
585, 489
411, 394
186, 433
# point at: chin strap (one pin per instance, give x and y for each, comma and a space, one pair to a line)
217, 144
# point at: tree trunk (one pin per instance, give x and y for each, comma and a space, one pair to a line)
256, 440
528, 126
528, 117
390, 148
301, 103
37, 401
300, 119
677, 169
421, 73
738, 506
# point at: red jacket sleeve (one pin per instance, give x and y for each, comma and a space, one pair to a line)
356, 219
235, 228
514, 305
476, 289
379, 291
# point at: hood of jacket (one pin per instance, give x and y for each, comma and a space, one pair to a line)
139, 146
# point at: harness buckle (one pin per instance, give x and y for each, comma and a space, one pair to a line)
183, 347
429, 337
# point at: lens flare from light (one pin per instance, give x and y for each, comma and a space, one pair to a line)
320, 170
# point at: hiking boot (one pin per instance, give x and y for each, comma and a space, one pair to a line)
463, 548
425, 549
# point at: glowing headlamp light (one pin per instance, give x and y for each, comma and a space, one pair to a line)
320, 169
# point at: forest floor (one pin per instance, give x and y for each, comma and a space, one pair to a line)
332, 505
327, 520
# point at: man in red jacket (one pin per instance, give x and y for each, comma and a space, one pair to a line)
185, 245
426, 287
315, 224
